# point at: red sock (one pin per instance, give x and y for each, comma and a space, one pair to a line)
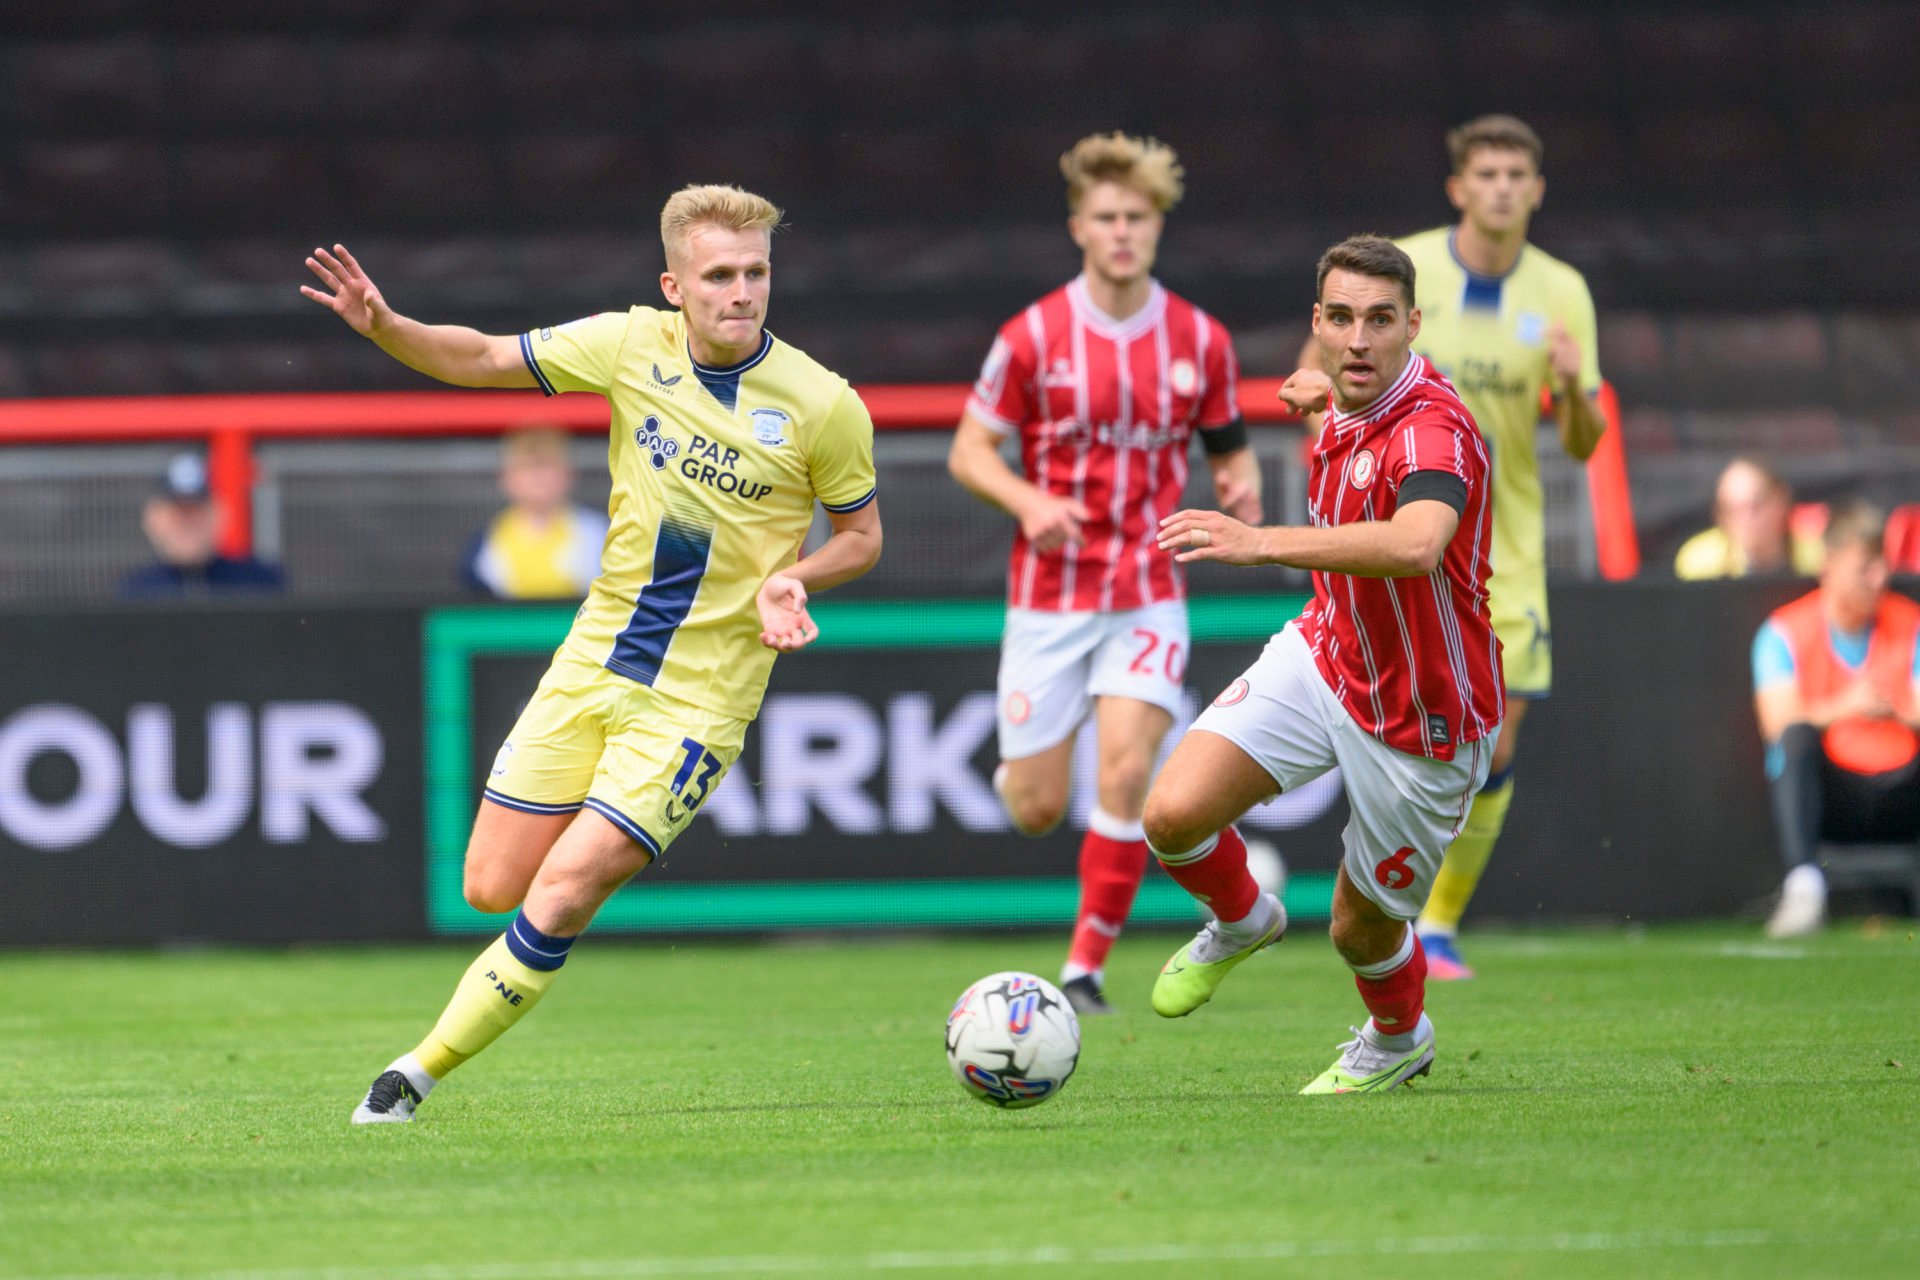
1110, 875
1218, 877
1397, 999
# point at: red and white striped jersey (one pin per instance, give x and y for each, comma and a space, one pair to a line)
1414, 660
1106, 411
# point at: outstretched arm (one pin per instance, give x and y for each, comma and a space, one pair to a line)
1410, 545
854, 548
450, 352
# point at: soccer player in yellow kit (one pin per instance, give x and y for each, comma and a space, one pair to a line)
1504, 321
723, 438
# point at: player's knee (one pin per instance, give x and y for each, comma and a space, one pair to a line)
1036, 813
1173, 823
1123, 783
1362, 941
487, 890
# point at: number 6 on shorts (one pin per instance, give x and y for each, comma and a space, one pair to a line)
1394, 873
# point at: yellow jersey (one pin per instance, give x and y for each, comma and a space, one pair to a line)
1489, 336
715, 473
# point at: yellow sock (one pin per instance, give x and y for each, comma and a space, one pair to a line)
496, 992
1466, 859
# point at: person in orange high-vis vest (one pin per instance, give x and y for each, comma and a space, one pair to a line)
1836, 680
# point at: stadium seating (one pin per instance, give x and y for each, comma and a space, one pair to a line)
158, 186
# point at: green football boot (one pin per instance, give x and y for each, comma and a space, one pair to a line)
1196, 970
1365, 1067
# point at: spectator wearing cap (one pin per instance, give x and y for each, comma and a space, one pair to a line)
1752, 534
543, 545
181, 523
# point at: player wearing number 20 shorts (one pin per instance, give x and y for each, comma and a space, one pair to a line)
1104, 383
1391, 673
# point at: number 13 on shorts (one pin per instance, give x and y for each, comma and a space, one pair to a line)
696, 772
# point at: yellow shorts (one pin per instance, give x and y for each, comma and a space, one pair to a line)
592, 739
1526, 644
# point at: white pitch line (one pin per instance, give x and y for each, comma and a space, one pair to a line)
1045, 1256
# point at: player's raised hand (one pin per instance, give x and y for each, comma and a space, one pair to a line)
1050, 522
1305, 391
1563, 355
353, 296
785, 624
1210, 535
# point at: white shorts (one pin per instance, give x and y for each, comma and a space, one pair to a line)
1406, 808
1053, 665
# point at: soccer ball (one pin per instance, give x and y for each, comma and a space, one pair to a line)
1012, 1040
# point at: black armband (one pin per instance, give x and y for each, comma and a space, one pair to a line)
1225, 439
1435, 486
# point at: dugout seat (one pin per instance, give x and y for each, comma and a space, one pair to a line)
1903, 538
1874, 866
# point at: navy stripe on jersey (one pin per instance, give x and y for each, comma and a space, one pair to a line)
626, 824
528, 806
1480, 293
679, 563
724, 382
526, 353
842, 508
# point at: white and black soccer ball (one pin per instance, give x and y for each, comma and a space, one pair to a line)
1012, 1040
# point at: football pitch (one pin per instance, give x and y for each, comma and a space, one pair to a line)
1675, 1101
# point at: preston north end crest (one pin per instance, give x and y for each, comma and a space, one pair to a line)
769, 426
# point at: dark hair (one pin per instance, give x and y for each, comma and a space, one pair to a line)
1857, 522
1367, 255
1508, 133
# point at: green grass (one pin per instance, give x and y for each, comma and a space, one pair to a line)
1675, 1102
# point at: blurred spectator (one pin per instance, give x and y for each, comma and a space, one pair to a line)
1751, 534
1834, 678
182, 523
543, 546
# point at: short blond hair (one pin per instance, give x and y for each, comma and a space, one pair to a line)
717, 206
1146, 165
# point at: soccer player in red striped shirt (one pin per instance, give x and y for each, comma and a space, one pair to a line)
1103, 382
1392, 672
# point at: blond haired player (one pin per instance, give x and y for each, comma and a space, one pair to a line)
1104, 383
722, 441
1504, 321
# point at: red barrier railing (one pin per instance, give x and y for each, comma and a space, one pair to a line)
232, 424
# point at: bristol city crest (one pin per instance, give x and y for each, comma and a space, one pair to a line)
1363, 468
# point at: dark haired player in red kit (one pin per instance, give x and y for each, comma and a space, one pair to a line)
1392, 672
